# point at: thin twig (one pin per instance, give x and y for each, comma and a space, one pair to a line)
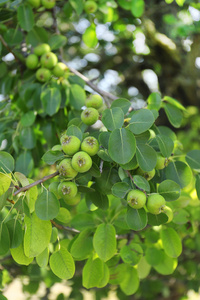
11, 201
8, 48
62, 227
29, 186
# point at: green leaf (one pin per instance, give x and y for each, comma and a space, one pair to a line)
137, 8
113, 118
5, 180
83, 221
75, 131
141, 121
130, 282
167, 266
57, 41
51, 100
13, 36
19, 256
154, 256
64, 215
77, 5
6, 162
131, 254
154, 101
47, 206
104, 241
170, 190
43, 258
122, 103
24, 163
37, 36
136, 218
197, 185
103, 154
77, 96
98, 199
104, 139
27, 138
146, 157
3, 200
83, 242
131, 165
193, 159
15, 232
120, 189
37, 235
156, 220
95, 274
143, 268
141, 183
171, 242
174, 102
179, 172
25, 16
165, 144
62, 264
90, 37
174, 114
50, 157
122, 145
28, 119
108, 178
4, 239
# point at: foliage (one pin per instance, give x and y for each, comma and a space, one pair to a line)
77, 224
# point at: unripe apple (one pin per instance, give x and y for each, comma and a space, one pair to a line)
168, 211
89, 116
161, 162
67, 190
90, 7
155, 203
43, 74
73, 201
48, 3
136, 199
81, 162
66, 170
34, 3
41, 49
32, 61
94, 101
48, 60
70, 144
90, 145
59, 69
147, 175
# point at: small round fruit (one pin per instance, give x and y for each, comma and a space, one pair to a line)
89, 116
34, 3
53, 187
48, 60
147, 175
48, 3
43, 75
70, 144
41, 49
81, 162
94, 101
161, 162
32, 61
90, 145
136, 199
73, 201
155, 203
59, 69
90, 7
66, 170
168, 211
67, 190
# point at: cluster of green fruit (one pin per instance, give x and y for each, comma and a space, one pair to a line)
78, 161
90, 115
42, 3
46, 62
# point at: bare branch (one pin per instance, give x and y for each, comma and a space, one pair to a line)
29, 186
66, 228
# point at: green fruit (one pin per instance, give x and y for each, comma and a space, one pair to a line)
70, 144
81, 162
41, 49
168, 211
136, 199
59, 69
67, 190
94, 101
48, 60
90, 145
147, 175
32, 61
89, 116
34, 3
43, 74
48, 3
66, 170
53, 187
155, 204
73, 201
90, 7
161, 162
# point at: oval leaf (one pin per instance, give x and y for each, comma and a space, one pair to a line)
62, 264
141, 121
136, 218
51, 100
146, 157
179, 172
193, 159
170, 190
113, 118
120, 189
165, 144
171, 242
47, 206
6, 162
124, 104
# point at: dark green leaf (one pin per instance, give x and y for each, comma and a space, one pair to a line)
74, 130
141, 183
156, 220
104, 139
131, 254
193, 159
113, 118
136, 218
36, 36
51, 100
24, 163
197, 185
83, 242
141, 121
174, 102
174, 114
15, 232
77, 96
146, 157
154, 101
97, 199
28, 119
47, 206
170, 190
50, 157
120, 189
77, 5
166, 145
57, 41
171, 242
6, 162
122, 103
130, 282
179, 172
4, 239
27, 138
25, 17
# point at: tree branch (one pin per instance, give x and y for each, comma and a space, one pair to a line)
66, 228
29, 186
